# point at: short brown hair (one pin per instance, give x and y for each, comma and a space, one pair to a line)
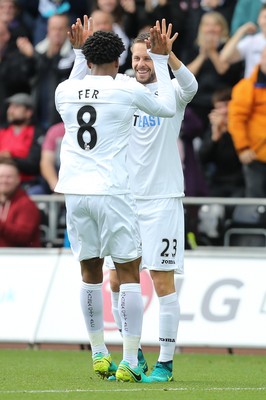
8, 161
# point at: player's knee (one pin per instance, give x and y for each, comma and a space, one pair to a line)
163, 282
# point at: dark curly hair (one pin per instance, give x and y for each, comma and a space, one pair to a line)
103, 47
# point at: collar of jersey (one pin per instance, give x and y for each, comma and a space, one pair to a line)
152, 86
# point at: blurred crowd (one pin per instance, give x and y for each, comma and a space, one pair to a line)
223, 136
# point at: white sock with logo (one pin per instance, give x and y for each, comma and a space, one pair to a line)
131, 311
168, 326
91, 301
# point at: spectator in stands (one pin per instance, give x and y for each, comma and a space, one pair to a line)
223, 170
10, 14
48, 8
116, 11
21, 141
245, 11
195, 9
19, 215
50, 154
247, 125
191, 132
102, 21
15, 70
50, 163
136, 16
111, 6
204, 62
29, 13
140, 14
53, 60
246, 48
195, 185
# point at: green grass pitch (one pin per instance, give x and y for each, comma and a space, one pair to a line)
68, 375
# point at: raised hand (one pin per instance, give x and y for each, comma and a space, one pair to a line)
78, 33
157, 41
168, 32
161, 41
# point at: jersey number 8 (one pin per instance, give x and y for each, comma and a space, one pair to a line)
87, 127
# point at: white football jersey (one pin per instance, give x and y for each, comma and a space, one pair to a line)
97, 112
153, 158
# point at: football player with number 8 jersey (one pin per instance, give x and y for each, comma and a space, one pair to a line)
97, 112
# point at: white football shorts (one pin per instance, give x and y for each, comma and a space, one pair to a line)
100, 226
162, 232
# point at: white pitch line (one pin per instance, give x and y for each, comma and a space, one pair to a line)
134, 390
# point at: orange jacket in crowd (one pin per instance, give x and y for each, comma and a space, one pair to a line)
247, 115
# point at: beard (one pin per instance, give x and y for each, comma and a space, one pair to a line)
17, 121
145, 81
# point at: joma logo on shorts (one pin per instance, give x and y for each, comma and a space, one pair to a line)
168, 261
166, 340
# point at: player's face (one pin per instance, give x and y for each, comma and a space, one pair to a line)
142, 64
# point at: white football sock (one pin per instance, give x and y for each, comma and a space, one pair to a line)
168, 325
115, 310
131, 313
91, 300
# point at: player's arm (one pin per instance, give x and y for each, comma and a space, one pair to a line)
165, 104
77, 36
187, 83
80, 68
